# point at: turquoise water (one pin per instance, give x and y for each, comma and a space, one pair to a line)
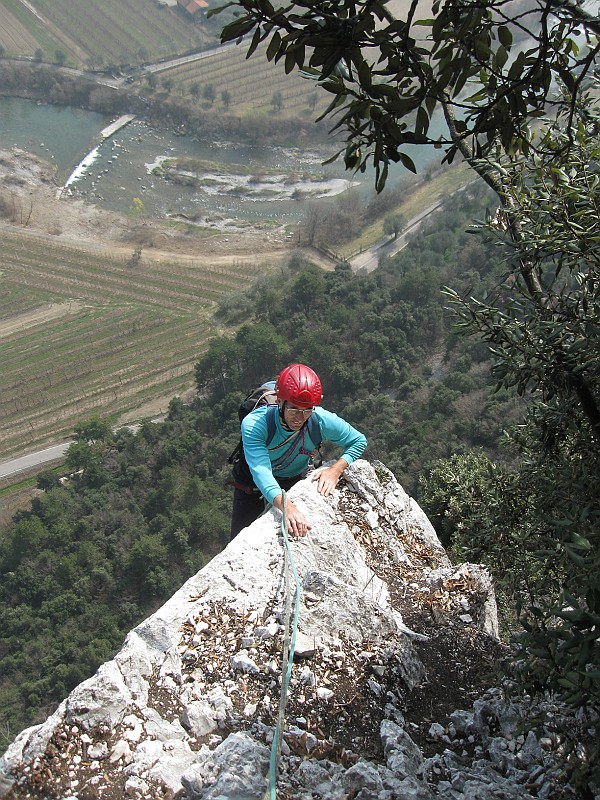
121, 167
62, 135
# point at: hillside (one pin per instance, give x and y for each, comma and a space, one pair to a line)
114, 32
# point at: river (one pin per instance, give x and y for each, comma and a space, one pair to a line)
272, 182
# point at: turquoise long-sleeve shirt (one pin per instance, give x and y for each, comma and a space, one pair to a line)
287, 461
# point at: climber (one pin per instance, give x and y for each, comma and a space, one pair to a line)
276, 460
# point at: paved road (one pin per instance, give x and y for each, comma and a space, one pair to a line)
368, 260
160, 66
23, 463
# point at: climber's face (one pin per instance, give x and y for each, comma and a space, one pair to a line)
294, 416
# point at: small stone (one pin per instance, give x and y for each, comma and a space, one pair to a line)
98, 751
305, 646
121, 751
436, 731
307, 676
262, 633
324, 694
372, 520
241, 662
135, 786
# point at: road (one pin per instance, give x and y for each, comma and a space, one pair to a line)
368, 260
23, 463
114, 82
161, 66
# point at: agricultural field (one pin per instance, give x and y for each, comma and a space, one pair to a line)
84, 331
22, 33
99, 34
251, 85
255, 85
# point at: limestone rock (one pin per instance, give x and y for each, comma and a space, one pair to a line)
188, 707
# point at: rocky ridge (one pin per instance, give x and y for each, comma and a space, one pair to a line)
388, 694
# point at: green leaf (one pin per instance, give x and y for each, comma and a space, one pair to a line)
237, 29
381, 179
256, 40
274, 45
290, 62
363, 72
501, 57
422, 121
517, 67
482, 49
505, 36
407, 162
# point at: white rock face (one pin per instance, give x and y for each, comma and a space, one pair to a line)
190, 702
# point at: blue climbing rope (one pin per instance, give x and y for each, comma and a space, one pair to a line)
289, 646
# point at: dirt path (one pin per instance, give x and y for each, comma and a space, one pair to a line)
36, 316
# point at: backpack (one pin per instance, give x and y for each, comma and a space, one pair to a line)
264, 395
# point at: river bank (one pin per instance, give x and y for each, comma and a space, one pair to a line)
45, 84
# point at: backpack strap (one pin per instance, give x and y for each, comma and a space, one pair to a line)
314, 430
271, 424
312, 426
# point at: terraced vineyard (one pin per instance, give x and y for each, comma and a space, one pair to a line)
83, 332
250, 83
114, 31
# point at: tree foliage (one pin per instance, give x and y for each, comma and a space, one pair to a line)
546, 340
546, 344
490, 66
94, 557
382, 344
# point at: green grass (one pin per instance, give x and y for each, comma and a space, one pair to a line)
14, 488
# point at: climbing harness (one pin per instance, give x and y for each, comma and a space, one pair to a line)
289, 645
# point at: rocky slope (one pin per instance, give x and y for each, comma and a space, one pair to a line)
387, 695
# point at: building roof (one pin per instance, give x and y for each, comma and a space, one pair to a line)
193, 6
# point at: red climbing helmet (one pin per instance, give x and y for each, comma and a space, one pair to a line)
300, 385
